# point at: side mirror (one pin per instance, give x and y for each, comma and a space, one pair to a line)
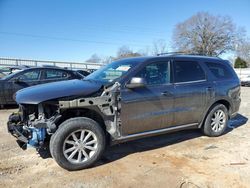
136, 82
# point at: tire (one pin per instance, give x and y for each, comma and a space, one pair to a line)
51, 145
215, 127
78, 143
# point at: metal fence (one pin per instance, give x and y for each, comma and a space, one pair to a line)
36, 63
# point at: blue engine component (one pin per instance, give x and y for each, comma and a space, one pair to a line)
37, 136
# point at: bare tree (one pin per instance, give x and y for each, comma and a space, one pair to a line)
243, 50
159, 46
206, 34
107, 59
95, 59
125, 51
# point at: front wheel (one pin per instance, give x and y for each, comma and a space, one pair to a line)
78, 143
216, 121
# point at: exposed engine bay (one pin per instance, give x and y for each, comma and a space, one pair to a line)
33, 124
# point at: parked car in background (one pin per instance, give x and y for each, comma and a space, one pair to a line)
244, 76
5, 70
125, 100
27, 77
83, 72
245, 81
2, 74
14, 69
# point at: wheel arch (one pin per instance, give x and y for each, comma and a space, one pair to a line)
91, 113
225, 102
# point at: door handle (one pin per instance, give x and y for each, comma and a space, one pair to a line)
166, 93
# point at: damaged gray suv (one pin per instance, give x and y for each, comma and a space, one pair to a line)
125, 100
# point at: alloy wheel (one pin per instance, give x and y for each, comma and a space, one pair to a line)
80, 146
218, 120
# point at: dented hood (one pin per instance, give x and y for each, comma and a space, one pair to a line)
44, 92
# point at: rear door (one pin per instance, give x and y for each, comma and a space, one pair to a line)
190, 92
150, 107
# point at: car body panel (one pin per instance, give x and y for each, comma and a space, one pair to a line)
45, 92
148, 108
189, 102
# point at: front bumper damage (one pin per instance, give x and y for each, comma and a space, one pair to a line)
15, 128
32, 129
25, 134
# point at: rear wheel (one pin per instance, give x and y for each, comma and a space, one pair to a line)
78, 143
216, 121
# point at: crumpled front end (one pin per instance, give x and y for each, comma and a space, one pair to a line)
16, 128
36, 122
29, 126
25, 135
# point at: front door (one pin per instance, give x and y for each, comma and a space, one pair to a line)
25, 79
150, 107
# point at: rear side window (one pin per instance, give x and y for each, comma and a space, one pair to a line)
188, 71
55, 74
219, 71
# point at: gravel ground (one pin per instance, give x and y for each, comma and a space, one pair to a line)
183, 159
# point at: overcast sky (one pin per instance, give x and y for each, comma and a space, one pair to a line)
73, 30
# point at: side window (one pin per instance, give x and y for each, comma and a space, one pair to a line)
155, 73
219, 71
55, 74
30, 76
188, 71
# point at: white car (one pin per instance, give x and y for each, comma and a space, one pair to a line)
245, 81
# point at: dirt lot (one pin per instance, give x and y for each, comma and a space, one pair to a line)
184, 159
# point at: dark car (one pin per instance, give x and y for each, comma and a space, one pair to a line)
10, 84
125, 100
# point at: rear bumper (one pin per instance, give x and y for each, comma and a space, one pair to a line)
235, 108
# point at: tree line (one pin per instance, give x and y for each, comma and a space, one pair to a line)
202, 34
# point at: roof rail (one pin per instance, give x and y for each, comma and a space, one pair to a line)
167, 53
184, 53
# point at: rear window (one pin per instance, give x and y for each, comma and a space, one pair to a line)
188, 71
220, 71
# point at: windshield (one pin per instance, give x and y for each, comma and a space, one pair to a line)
112, 71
